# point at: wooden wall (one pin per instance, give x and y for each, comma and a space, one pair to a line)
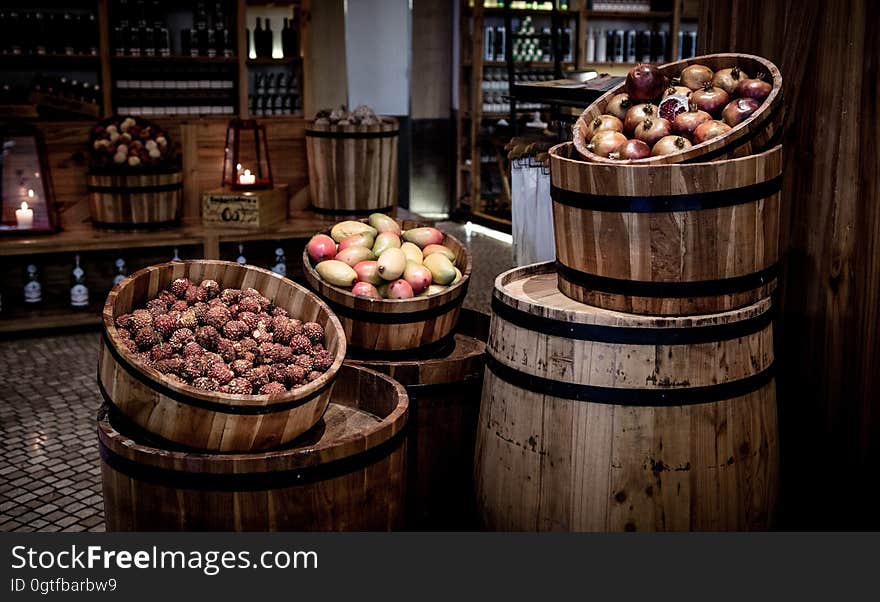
829, 327
431, 81
200, 140
324, 57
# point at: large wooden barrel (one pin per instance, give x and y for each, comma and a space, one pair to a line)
761, 131
152, 199
444, 402
593, 420
667, 239
353, 168
396, 324
345, 474
210, 420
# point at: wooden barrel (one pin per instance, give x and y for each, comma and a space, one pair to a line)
444, 402
353, 168
396, 324
666, 239
210, 420
761, 131
136, 200
345, 474
593, 420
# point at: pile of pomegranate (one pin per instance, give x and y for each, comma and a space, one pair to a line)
656, 116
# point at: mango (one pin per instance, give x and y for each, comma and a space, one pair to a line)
442, 270
364, 239
354, 255
368, 271
458, 276
321, 247
392, 262
424, 236
446, 251
383, 289
413, 253
383, 223
418, 276
400, 289
434, 289
337, 273
385, 240
348, 228
365, 289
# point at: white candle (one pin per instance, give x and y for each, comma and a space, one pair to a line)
24, 216
247, 178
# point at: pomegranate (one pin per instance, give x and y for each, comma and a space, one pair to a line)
683, 90
696, 76
685, 123
670, 144
709, 130
618, 105
755, 88
653, 129
603, 122
636, 114
631, 149
605, 142
728, 79
739, 110
710, 99
645, 82
673, 105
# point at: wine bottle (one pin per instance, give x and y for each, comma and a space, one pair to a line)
33, 290
267, 39
39, 34
91, 46
121, 272
79, 292
176, 256
258, 38
280, 266
241, 259
69, 30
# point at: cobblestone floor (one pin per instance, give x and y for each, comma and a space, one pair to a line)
50, 478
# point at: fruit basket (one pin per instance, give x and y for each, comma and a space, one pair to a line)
134, 178
377, 324
752, 128
196, 391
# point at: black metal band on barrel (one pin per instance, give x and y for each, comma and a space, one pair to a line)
753, 133
684, 290
255, 481
134, 226
375, 317
630, 397
622, 335
212, 406
453, 390
439, 348
667, 203
338, 134
136, 189
386, 209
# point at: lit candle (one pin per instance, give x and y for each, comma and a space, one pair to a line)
247, 178
24, 216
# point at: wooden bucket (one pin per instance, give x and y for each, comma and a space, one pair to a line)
666, 239
761, 131
396, 324
210, 420
136, 200
345, 474
444, 402
594, 420
353, 168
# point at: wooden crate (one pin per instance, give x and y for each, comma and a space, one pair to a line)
244, 209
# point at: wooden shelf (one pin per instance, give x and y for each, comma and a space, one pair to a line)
23, 319
221, 60
273, 62
499, 11
43, 61
635, 16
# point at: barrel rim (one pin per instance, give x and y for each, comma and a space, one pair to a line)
607, 317
181, 389
301, 457
387, 123
768, 108
337, 295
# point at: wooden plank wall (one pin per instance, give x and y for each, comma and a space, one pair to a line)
828, 333
431, 59
201, 142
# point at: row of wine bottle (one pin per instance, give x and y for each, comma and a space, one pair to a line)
38, 32
79, 291
261, 40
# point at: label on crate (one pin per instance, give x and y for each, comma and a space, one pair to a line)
79, 296
233, 210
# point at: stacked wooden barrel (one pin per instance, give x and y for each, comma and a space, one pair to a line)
629, 386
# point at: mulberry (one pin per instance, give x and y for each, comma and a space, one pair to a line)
172, 365
157, 307
295, 374
217, 316
168, 297
211, 288
181, 337
261, 334
322, 361
226, 350
266, 353
278, 373
193, 367
187, 319
249, 304
235, 329
279, 312
141, 318
240, 386
206, 383
165, 324
193, 349
249, 318
195, 294
207, 337
300, 344
131, 346
283, 353
305, 362
241, 366
162, 351
230, 296
258, 376
178, 306
282, 330
200, 310
146, 338
314, 375
273, 389
123, 333
124, 321
180, 286
314, 331
221, 373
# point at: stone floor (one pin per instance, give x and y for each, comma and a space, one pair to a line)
49, 474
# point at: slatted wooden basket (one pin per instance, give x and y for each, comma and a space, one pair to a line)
383, 325
131, 200
353, 168
207, 420
761, 131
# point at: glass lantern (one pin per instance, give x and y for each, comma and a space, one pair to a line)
28, 203
246, 163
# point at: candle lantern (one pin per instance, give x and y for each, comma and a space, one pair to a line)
246, 163
28, 203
